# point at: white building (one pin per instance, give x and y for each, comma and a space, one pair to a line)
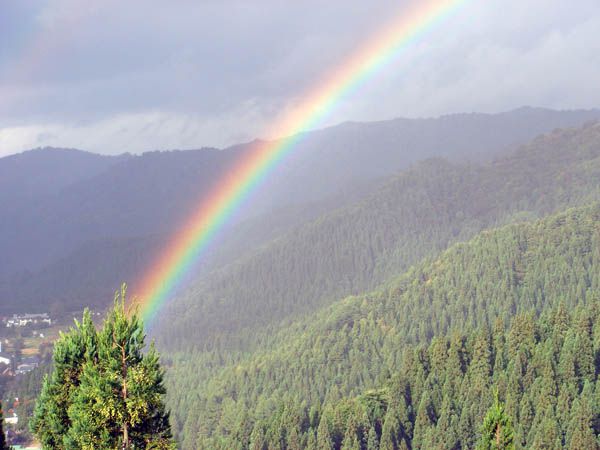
22, 369
21, 320
12, 420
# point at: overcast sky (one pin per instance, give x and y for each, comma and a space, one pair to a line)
143, 75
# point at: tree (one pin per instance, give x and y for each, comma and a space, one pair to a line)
51, 422
105, 391
497, 431
324, 438
581, 430
3, 444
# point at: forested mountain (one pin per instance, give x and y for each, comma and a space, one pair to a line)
35, 174
58, 206
362, 372
348, 251
31, 185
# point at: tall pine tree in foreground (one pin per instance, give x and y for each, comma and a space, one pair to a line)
105, 391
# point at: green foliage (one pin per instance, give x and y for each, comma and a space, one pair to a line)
3, 444
354, 249
370, 363
428, 404
265, 357
104, 391
27, 388
496, 431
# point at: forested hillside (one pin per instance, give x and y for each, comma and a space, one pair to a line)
30, 179
353, 249
261, 353
361, 370
543, 369
58, 206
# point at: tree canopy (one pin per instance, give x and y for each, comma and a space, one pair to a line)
3, 444
106, 391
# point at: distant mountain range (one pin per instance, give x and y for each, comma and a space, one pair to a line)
74, 224
355, 248
385, 286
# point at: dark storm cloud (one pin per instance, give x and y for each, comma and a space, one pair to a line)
137, 75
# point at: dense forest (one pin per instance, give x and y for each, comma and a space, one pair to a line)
62, 246
322, 225
354, 249
545, 370
453, 298
359, 343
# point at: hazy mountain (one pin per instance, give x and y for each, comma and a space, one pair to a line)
330, 159
416, 214
65, 202
262, 347
31, 175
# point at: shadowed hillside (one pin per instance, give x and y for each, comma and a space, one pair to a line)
416, 214
59, 204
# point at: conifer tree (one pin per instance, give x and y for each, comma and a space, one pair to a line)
372, 442
105, 391
257, 438
581, 432
3, 444
496, 432
311, 443
324, 438
51, 422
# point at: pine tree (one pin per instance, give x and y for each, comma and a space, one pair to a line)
3, 444
372, 442
51, 422
390, 432
324, 438
293, 440
257, 438
581, 432
105, 392
311, 443
496, 432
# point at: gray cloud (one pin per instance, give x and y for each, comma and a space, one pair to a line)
140, 75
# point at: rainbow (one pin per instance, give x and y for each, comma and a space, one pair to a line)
236, 186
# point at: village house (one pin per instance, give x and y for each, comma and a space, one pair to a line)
5, 359
27, 365
21, 320
22, 369
12, 418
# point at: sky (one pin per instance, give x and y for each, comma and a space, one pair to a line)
139, 75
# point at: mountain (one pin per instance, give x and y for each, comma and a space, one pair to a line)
331, 159
36, 174
416, 214
58, 205
479, 301
384, 313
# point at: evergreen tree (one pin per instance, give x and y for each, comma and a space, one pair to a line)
496, 432
3, 444
51, 421
105, 392
324, 438
257, 438
372, 442
582, 433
